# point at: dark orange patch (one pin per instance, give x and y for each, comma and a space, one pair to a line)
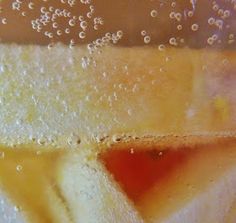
137, 171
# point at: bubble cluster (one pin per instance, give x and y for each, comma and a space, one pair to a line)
191, 23
58, 22
108, 38
217, 25
175, 15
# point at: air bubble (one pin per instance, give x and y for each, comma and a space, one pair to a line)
54, 25
73, 140
194, 27
31, 5
81, 18
182, 40
173, 41
178, 16
2, 155
215, 7
119, 33
17, 208
16, 5
67, 30
72, 22
43, 10
190, 13
23, 13
2, 68
89, 15
143, 33
129, 112
116, 138
210, 41
83, 25
179, 27
19, 168
211, 21
172, 15
85, 62
173, 4
59, 32
82, 35
221, 12
147, 39
4, 21
219, 23
161, 47
153, 13
215, 37
226, 14
231, 36
162, 70
42, 140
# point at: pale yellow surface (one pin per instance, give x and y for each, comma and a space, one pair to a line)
50, 95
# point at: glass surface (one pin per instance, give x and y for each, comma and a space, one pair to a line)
117, 111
